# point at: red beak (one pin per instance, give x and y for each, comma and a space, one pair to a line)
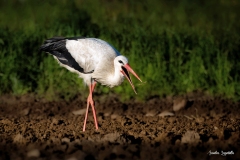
125, 70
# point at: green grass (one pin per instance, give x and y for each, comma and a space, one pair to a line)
176, 47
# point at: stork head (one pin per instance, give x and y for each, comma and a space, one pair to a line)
121, 62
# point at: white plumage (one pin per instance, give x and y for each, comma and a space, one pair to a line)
92, 59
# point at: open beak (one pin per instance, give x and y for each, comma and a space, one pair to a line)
125, 71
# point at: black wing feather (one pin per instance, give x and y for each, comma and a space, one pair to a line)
57, 47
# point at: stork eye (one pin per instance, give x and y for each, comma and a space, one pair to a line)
120, 61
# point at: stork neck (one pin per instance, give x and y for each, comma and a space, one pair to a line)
117, 78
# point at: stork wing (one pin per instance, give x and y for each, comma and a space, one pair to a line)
79, 53
57, 47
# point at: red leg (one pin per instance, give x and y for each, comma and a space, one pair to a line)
90, 101
93, 106
86, 116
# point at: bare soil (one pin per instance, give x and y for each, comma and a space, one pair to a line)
169, 128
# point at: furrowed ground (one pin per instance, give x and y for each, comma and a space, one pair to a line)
130, 130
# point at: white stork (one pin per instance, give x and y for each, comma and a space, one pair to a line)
92, 59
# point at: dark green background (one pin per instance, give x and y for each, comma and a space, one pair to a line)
175, 46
